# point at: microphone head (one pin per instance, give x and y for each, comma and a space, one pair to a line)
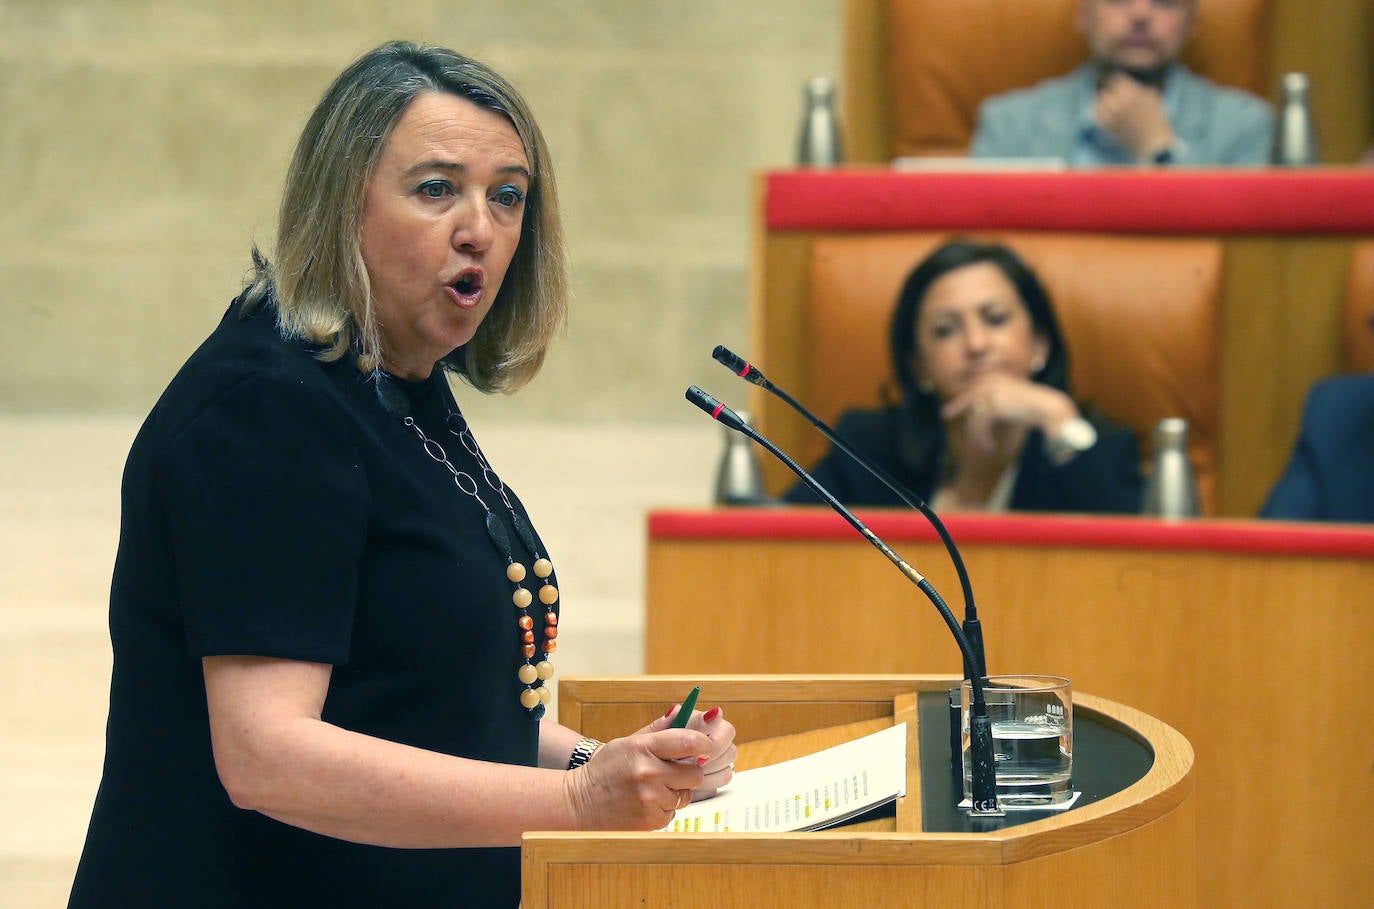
702, 400
738, 365
717, 410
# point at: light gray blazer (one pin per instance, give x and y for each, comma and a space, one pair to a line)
1218, 126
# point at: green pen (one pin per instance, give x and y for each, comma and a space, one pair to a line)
685, 714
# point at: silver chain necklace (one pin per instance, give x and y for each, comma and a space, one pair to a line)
535, 696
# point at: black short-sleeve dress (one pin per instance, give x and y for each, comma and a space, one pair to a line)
272, 506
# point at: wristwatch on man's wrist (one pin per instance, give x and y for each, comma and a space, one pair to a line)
1169, 154
1073, 437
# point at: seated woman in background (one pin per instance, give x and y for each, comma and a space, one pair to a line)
985, 421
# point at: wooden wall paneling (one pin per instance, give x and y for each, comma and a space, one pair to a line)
1223, 646
1283, 300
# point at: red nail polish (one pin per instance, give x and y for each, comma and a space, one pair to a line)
711, 714
669, 712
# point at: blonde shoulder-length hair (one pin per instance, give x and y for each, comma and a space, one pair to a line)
318, 278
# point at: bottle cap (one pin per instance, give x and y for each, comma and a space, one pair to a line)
1293, 84
1171, 432
820, 87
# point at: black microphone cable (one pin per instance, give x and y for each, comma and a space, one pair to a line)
973, 629
983, 773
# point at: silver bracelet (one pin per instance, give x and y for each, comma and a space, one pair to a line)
582, 752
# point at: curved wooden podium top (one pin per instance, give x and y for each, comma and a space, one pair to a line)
1133, 847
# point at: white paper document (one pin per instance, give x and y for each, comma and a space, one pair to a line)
805, 793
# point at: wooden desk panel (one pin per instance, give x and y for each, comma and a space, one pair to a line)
1287, 237
1255, 655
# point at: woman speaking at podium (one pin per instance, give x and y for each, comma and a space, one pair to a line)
333, 625
985, 420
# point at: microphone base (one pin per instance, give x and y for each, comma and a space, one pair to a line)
983, 775
986, 812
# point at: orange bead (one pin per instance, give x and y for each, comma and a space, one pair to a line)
550, 646
526, 622
550, 618
528, 637
528, 651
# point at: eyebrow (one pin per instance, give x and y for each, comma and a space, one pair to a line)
436, 164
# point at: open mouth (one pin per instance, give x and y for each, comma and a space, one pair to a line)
469, 284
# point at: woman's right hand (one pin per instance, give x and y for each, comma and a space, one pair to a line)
638, 782
998, 400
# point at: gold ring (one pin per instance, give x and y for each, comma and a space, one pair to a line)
683, 797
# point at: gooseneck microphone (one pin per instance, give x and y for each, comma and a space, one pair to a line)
983, 773
973, 629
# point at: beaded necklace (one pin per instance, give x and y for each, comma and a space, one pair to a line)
538, 637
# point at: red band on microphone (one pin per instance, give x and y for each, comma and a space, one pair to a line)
745, 371
715, 414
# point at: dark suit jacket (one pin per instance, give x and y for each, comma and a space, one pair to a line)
1105, 478
1330, 476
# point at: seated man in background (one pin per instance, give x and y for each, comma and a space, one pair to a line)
1330, 476
1133, 102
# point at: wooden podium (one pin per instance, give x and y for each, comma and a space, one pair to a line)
1249, 637
1127, 842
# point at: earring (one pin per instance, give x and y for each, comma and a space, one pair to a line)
1037, 364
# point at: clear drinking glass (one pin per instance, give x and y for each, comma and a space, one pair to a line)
1032, 735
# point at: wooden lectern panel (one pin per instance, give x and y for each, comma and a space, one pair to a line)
1134, 848
1228, 631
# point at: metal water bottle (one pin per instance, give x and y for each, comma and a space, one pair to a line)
1295, 137
739, 479
1171, 490
819, 143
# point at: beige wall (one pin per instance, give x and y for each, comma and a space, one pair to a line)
142, 145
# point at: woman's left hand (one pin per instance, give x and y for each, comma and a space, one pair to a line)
720, 767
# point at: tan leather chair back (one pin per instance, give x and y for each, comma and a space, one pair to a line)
1140, 317
1358, 330
945, 56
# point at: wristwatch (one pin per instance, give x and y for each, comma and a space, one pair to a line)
1073, 438
582, 753
1169, 154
